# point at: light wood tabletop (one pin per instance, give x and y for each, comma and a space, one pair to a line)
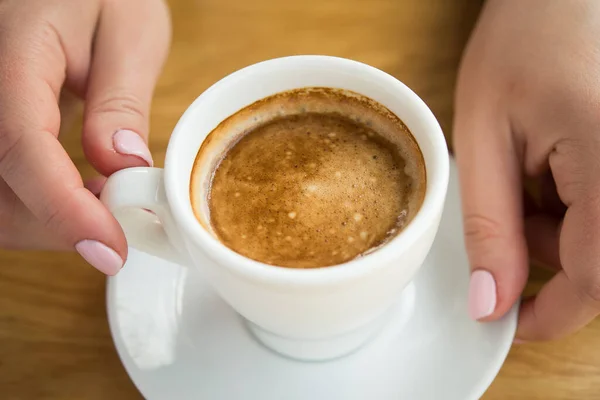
54, 337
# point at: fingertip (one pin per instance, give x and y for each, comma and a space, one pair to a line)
499, 275
554, 312
99, 237
100, 256
118, 150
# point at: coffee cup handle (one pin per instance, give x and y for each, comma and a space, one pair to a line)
137, 199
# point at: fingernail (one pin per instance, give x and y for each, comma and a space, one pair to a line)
519, 341
101, 257
482, 294
129, 143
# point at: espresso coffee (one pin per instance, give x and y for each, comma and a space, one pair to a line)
310, 178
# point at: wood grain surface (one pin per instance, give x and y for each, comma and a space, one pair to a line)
54, 337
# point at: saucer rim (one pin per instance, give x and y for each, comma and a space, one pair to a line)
511, 318
508, 322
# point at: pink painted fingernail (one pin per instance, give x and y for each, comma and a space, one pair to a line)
100, 256
482, 294
129, 143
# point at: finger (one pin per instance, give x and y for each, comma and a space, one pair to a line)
492, 203
33, 163
572, 298
130, 47
20, 230
542, 233
554, 312
95, 185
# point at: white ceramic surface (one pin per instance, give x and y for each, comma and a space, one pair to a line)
178, 340
310, 314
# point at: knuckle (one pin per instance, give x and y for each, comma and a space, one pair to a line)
480, 229
55, 216
64, 214
31, 43
9, 151
118, 102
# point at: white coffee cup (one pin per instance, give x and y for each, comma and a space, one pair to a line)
308, 314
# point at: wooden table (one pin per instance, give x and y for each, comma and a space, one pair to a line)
54, 337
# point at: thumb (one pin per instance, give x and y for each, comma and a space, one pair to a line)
129, 50
490, 180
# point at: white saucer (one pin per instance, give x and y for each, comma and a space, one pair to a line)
179, 341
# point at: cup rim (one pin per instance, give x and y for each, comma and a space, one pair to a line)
215, 250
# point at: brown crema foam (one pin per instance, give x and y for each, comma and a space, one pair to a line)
309, 178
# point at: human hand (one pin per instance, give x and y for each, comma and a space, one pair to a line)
109, 53
528, 103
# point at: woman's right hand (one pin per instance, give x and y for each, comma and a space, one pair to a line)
527, 104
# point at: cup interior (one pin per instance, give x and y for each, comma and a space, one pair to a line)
262, 80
